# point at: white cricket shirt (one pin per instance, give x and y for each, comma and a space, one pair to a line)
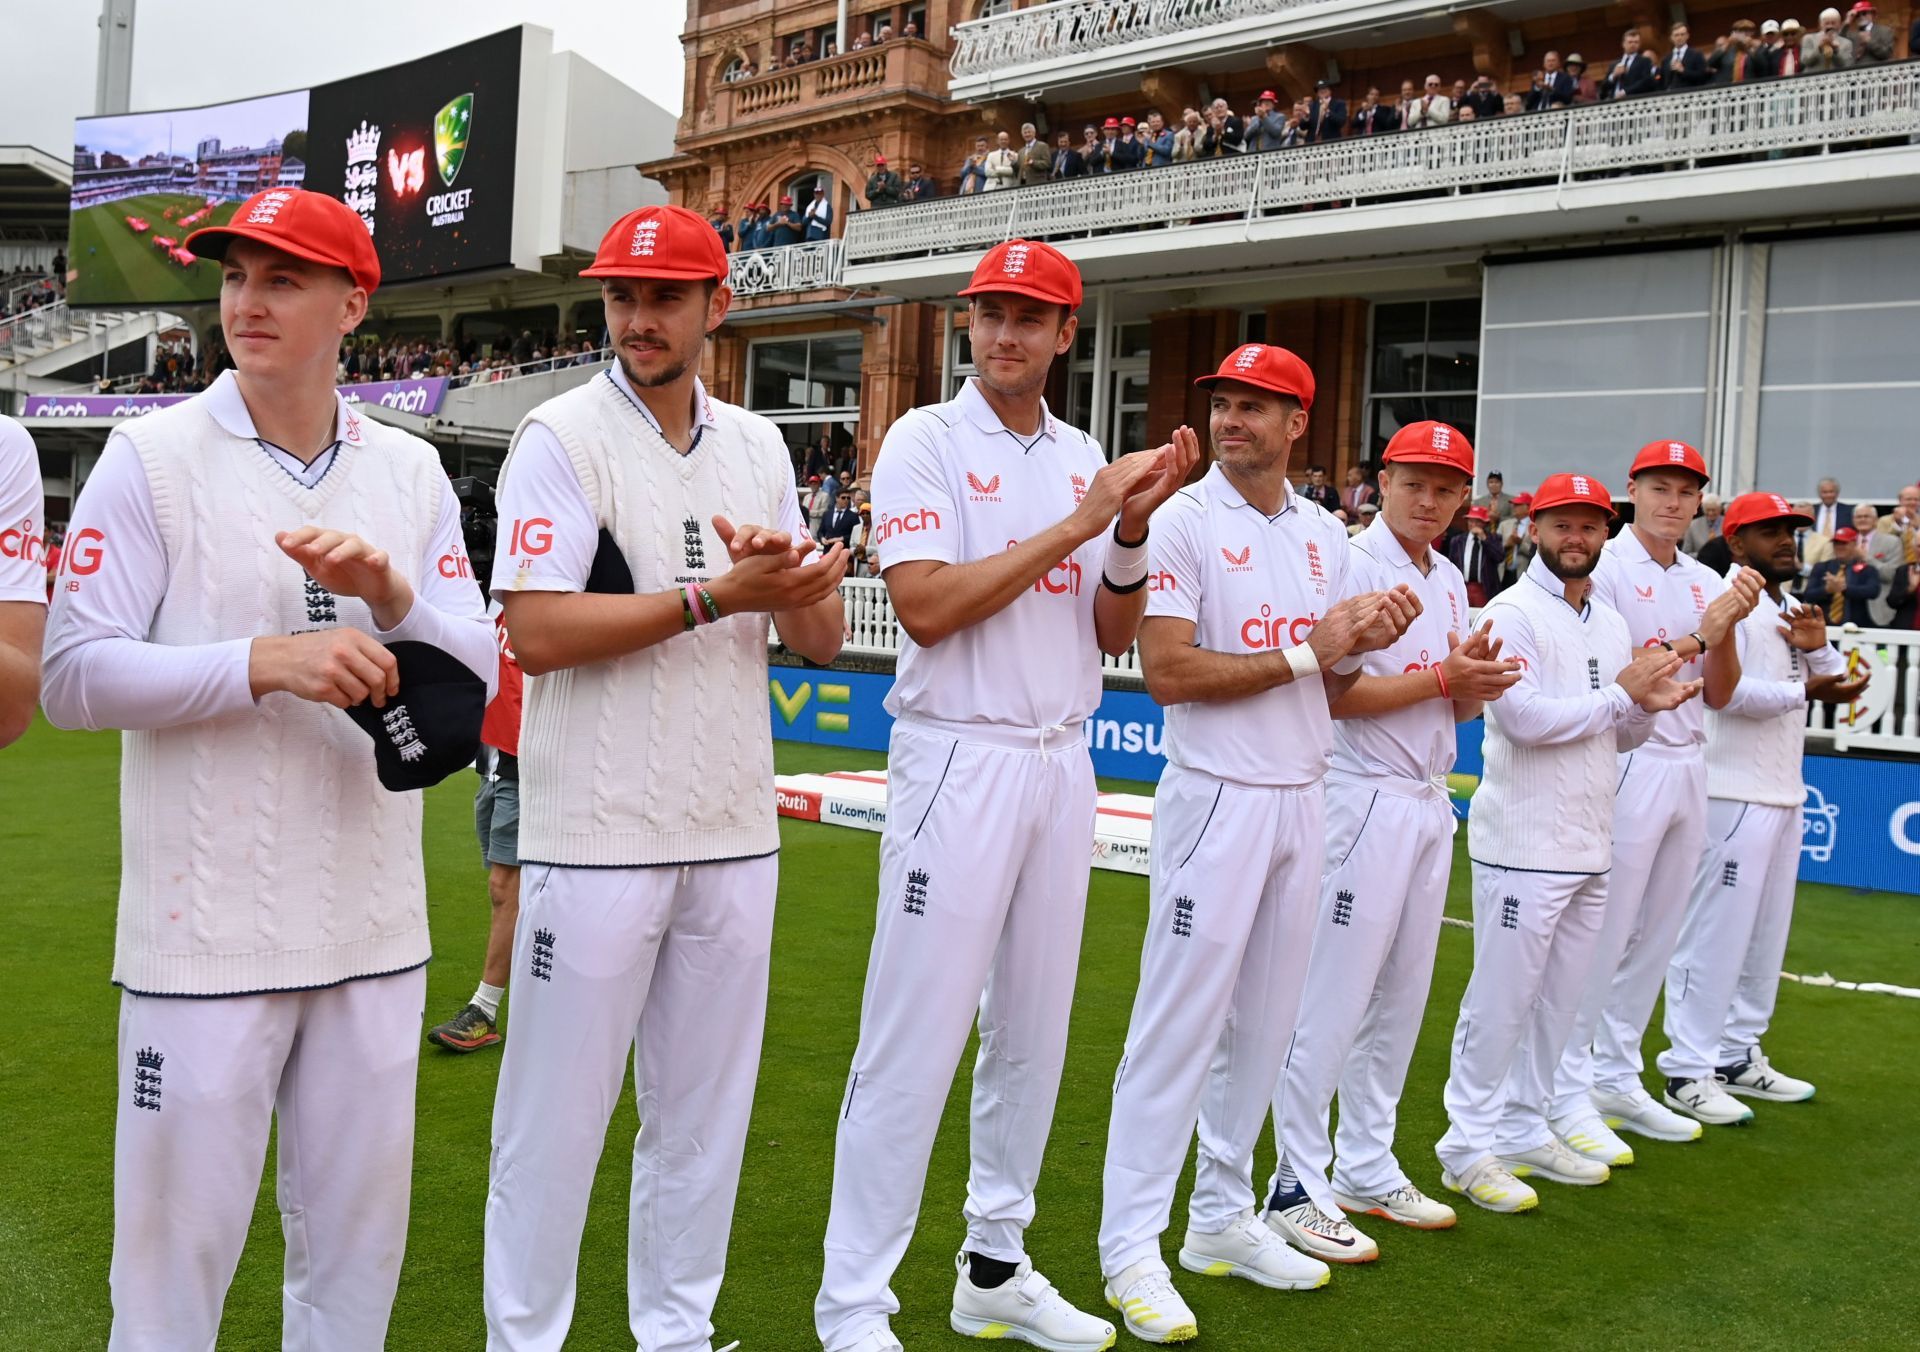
1419, 741
23, 523
1250, 583
1660, 602
953, 484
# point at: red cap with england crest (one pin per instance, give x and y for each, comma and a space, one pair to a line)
1023, 267
667, 243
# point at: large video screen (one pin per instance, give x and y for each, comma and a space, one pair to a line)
424, 151
142, 182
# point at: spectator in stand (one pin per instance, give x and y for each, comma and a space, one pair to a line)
1827, 50
1266, 129
1002, 165
1483, 98
1156, 142
1704, 527
1478, 556
1515, 105
1633, 74
760, 232
1495, 499
1409, 97
1126, 152
788, 227
1517, 547
1188, 136
1318, 491
1327, 117
1458, 95
1100, 144
1067, 162
1809, 546
60, 263
860, 543
1375, 116
1036, 161
1903, 524
816, 503
1297, 117
1358, 492
885, 34
1359, 520
1585, 90
717, 218
1464, 115
1844, 584
1889, 556
883, 185
1743, 59
819, 214
1224, 134
1685, 67
912, 30
1788, 59
799, 51
1553, 86
1832, 513
862, 42
973, 169
1431, 109
1872, 40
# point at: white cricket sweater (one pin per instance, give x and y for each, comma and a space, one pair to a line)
259, 852
1755, 744
663, 756
1545, 801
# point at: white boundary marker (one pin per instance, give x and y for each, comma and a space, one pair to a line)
1122, 838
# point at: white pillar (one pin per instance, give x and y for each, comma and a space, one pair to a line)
1101, 411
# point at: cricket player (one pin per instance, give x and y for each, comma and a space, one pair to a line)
1726, 969
1672, 604
647, 532
1539, 836
237, 563
23, 580
1387, 861
1000, 548
1241, 643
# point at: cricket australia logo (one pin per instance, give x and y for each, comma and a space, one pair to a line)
1343, 907
543, 954
146, 1078
696, 545
987, 491
400, 731
1510, 913
320, 606
1183, 917
915, 902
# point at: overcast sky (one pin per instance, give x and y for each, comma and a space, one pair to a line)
188, 52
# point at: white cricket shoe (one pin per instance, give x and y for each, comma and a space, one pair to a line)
1754, 1078
1149, 1306
1405, 1205
1331, 1239
1706, 1100
1555, 1161
1588, 1135
1635, 1111
1247, 1248
1027, 1309
1489, 1185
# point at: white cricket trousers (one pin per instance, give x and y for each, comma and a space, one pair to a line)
1726, 971
983, 888
1533, 941
1389, 856
1659, 834
670, 963
201, 1083
1228, 930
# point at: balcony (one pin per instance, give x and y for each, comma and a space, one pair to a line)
1767, 151
820, 90
793, 267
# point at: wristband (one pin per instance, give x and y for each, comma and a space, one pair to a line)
706, 599
1441, 677
686, 609
1303, 661
1695, 636
1670, 648
1126, 567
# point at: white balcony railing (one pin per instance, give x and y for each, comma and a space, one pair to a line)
792, 267
1070, 27
1887, 720
1814, 112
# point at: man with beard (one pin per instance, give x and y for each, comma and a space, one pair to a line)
1233, 648
1539, 839
1726, 969
1388, 857
638, 610
1672, 604
1001, 552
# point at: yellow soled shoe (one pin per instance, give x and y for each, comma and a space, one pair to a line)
1490, 1186
1025, 1309
1149, 1306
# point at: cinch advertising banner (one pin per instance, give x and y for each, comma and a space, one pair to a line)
421, 396
1860, 826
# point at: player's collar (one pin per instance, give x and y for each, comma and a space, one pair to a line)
226, 406
1380, 541
1220, 485
976, 410
1543, 577
703, 414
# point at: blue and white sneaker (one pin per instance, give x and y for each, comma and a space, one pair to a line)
1332, 1239
1754, 1078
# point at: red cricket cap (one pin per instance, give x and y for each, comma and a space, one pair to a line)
309, 225
1750, 509
1430, 443
1265, 367
1479, 514
1669, 455
1128, 122
1571, 490
1023, 267
879, 159
1846, 535
669, 243
1267, 96
1523, 499
786, 201
1860, 7
1111, 122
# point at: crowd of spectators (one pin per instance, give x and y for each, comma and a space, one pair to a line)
464, 363
29, 288
801, 51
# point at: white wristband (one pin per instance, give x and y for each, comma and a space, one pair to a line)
1126, 564
1303, 660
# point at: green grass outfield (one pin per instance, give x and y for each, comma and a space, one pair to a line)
114, 266
1796, 1232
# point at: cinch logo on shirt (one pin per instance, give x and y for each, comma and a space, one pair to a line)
20, 542
983, 492
1063, 579
924, 519
1162, 581
532, 537
454, 565
1426, 663
1268, 630
1238, 563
